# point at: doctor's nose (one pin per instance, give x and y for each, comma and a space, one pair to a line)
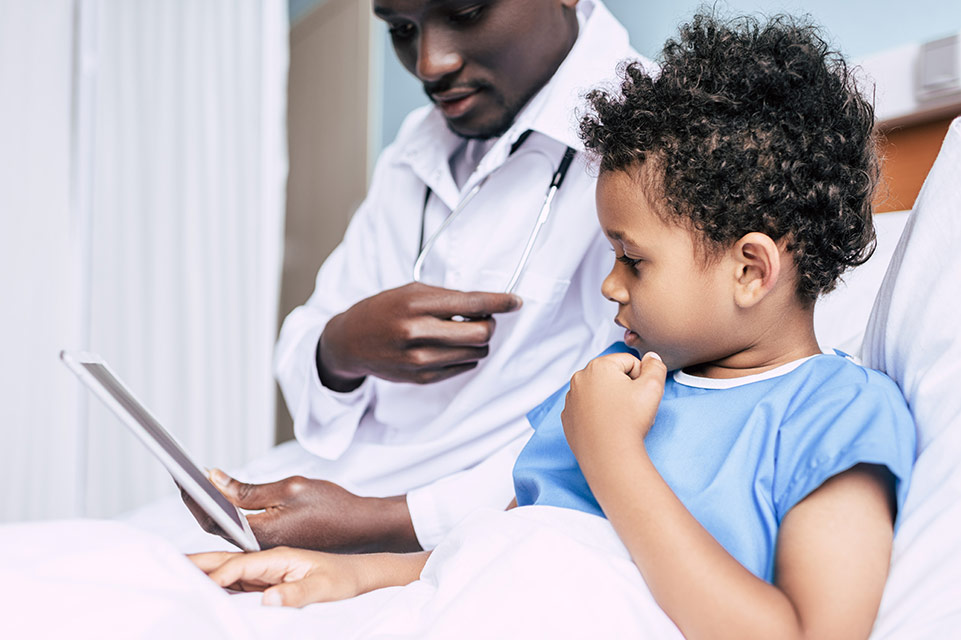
436, 57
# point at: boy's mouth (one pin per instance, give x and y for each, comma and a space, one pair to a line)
630, 338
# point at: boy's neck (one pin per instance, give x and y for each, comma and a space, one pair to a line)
785, 338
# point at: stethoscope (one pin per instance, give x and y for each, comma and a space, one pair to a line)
542, 217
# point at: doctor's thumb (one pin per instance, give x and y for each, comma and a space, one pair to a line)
241, 494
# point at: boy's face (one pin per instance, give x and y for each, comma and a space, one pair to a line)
670, 302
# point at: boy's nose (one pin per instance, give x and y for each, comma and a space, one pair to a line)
612, 289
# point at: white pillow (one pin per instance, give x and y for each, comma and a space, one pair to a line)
841, 316
913, 335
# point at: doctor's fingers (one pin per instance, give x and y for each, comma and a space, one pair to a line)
251, 496
206, 523
425, 374
450, 333
428, 376
444, 303
427, 357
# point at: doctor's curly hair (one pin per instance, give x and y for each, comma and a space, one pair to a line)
749, 127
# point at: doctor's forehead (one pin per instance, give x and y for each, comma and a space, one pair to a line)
387, 8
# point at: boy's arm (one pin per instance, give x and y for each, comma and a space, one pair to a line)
833, 547
297, 577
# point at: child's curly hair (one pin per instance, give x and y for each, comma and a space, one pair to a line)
751, 127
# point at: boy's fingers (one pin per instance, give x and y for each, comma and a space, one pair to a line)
288, 594
626, 363
209, 561
652, 370
241, 569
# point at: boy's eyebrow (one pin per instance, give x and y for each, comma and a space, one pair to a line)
620, 236
625, 240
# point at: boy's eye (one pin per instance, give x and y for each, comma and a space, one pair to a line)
631, 262
467, 15
401, 30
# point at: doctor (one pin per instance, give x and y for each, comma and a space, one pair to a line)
466, 288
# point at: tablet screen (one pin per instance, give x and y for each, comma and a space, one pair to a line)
159, 434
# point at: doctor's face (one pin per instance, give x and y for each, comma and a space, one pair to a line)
480, 61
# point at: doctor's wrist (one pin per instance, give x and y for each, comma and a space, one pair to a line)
330, 376
390, 524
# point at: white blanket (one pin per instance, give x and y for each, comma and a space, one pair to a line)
533, 572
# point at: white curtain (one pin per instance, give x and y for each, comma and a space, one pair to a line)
168, 256
39, 445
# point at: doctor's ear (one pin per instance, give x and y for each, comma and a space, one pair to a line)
757, 261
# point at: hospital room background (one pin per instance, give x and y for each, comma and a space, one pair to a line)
172, 173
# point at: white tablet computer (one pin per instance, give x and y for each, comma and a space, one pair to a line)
94, 372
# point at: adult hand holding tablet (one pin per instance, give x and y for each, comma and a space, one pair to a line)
190, 477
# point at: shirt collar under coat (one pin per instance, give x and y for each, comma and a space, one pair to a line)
601, 44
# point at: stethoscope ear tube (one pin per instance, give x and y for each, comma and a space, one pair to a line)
419, 263
562, 168
542, 216
556, 180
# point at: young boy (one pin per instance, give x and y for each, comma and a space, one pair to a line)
756, 485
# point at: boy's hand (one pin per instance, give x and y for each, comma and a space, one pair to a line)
298, 577
611, 404
289, 577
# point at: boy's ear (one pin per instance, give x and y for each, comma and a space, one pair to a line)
757, 260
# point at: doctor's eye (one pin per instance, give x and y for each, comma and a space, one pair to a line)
467, 15
401, 30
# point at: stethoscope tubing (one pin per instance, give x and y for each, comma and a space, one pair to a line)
543, 215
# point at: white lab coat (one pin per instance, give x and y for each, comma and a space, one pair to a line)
387, 438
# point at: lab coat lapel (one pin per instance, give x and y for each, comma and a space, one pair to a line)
428, 155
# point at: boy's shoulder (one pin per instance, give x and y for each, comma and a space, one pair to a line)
839, 372
841, 414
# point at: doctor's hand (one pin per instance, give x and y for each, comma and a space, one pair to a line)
611, 407
409, 334
315, 514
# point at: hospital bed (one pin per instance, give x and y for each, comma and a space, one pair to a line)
545, 572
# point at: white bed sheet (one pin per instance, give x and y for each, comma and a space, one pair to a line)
533, 572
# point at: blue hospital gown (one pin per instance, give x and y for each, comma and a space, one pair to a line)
740, 453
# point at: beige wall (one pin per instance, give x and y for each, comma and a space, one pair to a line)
907, 155
329, 137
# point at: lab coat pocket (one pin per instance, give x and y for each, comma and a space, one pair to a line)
543, 299
532, 287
